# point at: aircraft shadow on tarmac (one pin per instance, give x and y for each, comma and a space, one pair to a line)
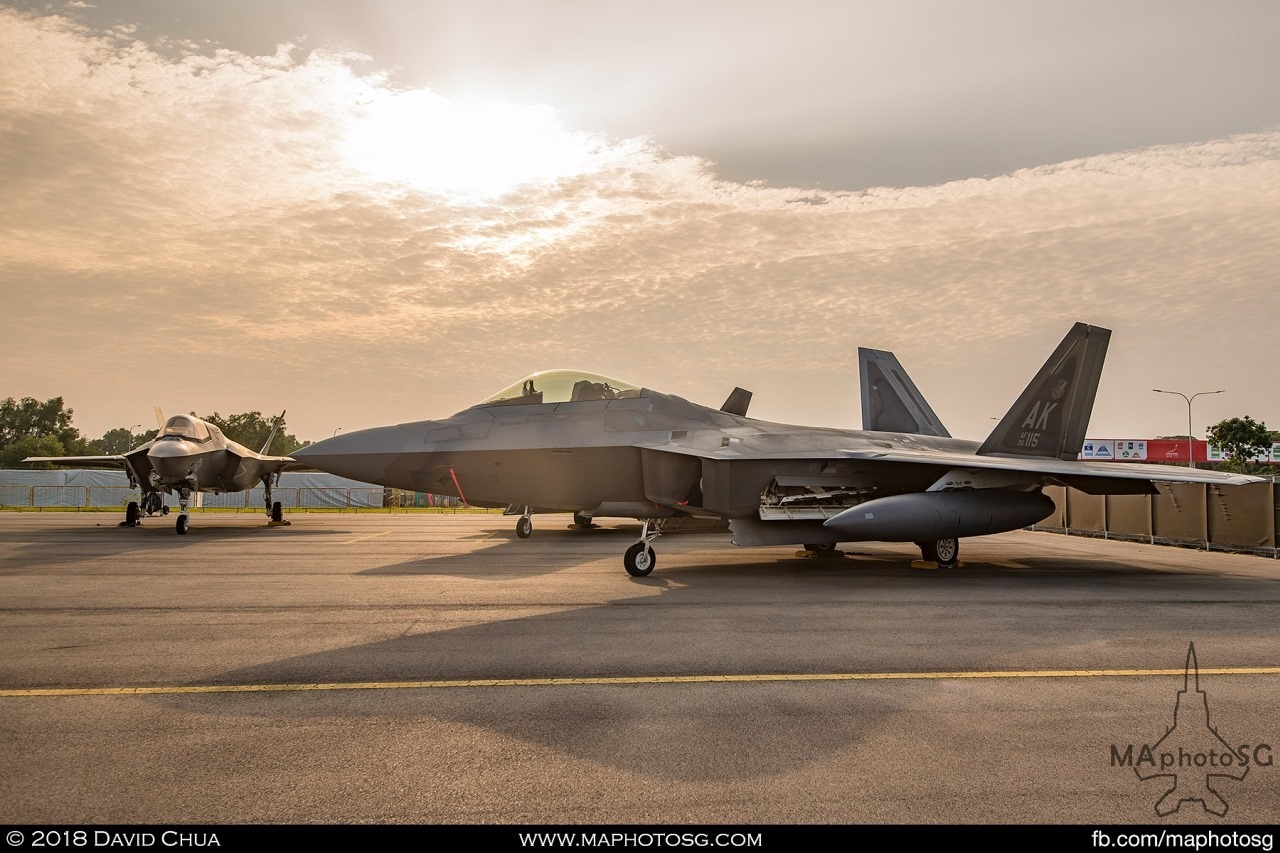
551, 550
153, 537
850, 620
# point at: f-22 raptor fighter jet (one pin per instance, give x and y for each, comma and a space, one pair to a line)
189, 455
562, 441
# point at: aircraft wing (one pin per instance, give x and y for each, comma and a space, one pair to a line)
1087, 476
1071, 473
134, 463
117, 461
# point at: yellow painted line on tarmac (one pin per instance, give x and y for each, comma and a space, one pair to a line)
363, 538
623, 680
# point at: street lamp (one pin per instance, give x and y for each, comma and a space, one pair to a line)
335, 432
1191, 457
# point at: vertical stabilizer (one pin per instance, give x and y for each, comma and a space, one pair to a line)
1051, 416
737, 403
890, 400
271, 436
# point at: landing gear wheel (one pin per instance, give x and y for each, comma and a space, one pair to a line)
277, 512
639, 560
826, 549
582, 520
524, 527
164, 510
151, 503
131, 514
946, 553
184, 524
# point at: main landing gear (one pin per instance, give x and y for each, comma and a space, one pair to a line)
524, 527
524, 524
152, 503
275, 511
944, 552
820, 550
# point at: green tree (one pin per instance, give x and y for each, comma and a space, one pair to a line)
1240, 439
116, 441
251, 429
29, 420
32, 445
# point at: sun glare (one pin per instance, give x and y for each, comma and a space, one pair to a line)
466, 152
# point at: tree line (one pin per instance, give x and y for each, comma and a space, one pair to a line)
31, 427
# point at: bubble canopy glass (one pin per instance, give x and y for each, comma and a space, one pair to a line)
181, 426
561, 386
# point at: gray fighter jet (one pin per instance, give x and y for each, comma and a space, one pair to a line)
189, 455
579, 442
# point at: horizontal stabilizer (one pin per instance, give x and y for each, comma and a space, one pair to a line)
890, 400
737, 403
1050, 418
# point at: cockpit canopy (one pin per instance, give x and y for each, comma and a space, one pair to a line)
561, 386
185, 426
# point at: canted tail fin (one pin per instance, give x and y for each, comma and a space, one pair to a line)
890, 400
737, 402
271, 436
1051, 416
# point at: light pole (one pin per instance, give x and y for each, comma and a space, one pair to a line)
1191, 457
335, 432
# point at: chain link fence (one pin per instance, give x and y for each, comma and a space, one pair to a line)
296, 499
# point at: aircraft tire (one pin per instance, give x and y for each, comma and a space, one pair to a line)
946, 553
183, 524
164, 510
131, 514
277, 511
825, 549
640, 560
524, 527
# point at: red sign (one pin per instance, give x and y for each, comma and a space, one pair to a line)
1175, 450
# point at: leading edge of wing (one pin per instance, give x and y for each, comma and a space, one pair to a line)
80, 460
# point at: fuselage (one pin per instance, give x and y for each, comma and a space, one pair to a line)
642, 456
192, 454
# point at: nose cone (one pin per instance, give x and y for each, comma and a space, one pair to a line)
365, 455
174, 460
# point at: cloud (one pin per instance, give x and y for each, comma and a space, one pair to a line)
165, 199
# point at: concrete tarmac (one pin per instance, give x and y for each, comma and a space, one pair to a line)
436, 669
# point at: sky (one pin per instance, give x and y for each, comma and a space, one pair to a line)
373, 213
